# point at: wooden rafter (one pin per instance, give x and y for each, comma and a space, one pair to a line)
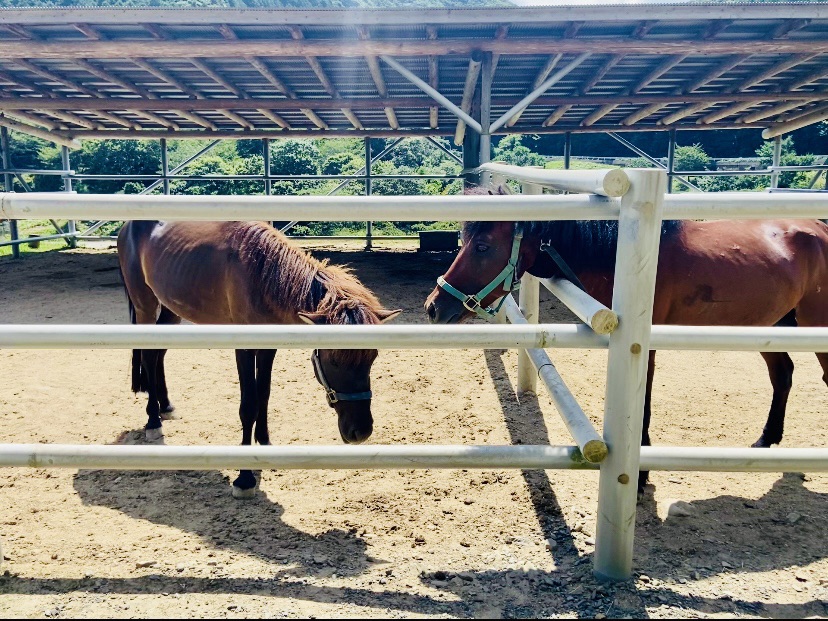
221, 81
379, 80
277, 83
433, 79
776, 110
659, 70
18, 31
643, 28
789, 26
501, 33
547, 68
706, 78
74, 118
155, 31
470, 85
54, 77
227, 32
89, 31
49, 135
557, 115
168, 79
572, 29
750, 81
317, 68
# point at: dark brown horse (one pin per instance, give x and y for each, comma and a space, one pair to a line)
245, 273
714, 273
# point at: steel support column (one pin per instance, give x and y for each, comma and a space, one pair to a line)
369, 226
671, 158
486, 113
67, 187
8, 186
567, 150
777, 158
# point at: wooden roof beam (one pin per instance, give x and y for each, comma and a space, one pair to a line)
18, 31
572, 29
798, 121
49, 135
745, 84
227, 32
155, 31
7, 77
197, 119
164, 77
32, 120
277, 83
345, 48
758, 115
707, 77
317, 68
90, 32
218, 79
556, 115
272, 116
433, 79
50, 75
658, 71
643, 28
716, 27
74, 118
501, 33
470, 85
789, 26
820, 73
602, 71
379, 80
547, 68
105, 75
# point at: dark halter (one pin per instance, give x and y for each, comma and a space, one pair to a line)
332, 395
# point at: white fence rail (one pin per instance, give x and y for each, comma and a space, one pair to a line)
639, 212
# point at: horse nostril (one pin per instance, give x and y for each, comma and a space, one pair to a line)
431, 310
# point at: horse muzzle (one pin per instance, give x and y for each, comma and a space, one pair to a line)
355, 422
442, 308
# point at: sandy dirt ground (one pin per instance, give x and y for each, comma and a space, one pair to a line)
365, 543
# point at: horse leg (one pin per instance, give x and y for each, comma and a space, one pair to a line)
149, 359
644, 475
165, 317
264, 370
780, 369
245, 485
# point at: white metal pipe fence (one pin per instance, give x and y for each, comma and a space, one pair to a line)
639, 212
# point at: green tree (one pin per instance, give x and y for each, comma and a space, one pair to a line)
294, 157
121, 157
511, 150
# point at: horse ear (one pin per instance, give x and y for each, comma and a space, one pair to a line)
387, 315
314, 319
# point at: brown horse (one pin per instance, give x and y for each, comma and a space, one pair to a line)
245, 273
725, 273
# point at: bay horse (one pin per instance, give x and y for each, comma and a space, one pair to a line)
245, 273
711, 273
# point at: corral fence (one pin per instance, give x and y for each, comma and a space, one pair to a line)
636, 198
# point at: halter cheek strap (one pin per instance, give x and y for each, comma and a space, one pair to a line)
332, 395
507, 278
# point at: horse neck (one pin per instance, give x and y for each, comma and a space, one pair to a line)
586, 246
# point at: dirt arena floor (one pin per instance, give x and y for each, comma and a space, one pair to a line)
386, 543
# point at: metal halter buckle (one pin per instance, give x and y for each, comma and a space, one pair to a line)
330, 394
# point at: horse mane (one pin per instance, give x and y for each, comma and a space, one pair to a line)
585, 244
288, 277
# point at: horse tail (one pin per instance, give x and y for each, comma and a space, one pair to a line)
139, 375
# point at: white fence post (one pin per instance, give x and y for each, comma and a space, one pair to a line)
639, 233
528, 299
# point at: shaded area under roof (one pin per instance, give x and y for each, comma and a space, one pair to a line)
131, 73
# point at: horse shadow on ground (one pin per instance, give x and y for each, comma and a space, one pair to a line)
253, 527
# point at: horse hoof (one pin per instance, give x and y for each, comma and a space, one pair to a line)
168, 413
760, 443
244, 494
154, 435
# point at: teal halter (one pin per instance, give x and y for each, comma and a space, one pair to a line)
507, 277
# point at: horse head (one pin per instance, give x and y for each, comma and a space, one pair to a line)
492, 258
345, 374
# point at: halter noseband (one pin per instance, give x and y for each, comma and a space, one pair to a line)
332, 395
507, 277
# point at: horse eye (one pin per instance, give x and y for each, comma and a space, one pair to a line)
481, 247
